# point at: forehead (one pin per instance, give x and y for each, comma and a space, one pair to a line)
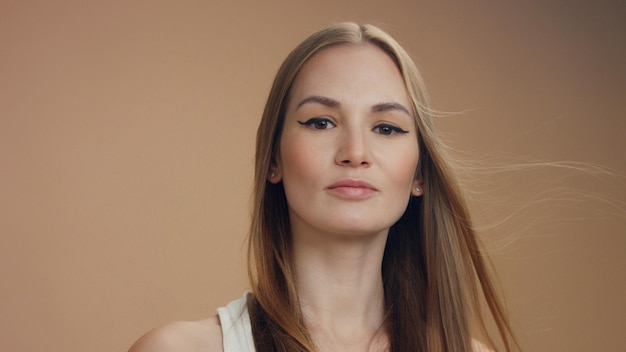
350, 71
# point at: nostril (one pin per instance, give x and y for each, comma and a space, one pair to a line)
349, 162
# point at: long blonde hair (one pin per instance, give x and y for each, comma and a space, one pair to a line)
433, 270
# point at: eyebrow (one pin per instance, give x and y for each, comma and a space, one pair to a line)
332, 103
384, 107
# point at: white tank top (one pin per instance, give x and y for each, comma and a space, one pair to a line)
236, 328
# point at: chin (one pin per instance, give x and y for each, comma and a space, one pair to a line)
362, 228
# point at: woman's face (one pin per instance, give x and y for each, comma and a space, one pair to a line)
348, 150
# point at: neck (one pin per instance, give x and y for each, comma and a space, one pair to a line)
340, 286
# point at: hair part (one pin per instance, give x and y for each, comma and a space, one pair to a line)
433, 270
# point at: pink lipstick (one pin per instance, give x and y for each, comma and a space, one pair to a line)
351, 188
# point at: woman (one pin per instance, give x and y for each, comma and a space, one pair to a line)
360, 238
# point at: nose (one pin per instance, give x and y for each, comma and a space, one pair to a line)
353, 149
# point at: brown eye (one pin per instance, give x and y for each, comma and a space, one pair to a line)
318, 123
321, 125
388, 130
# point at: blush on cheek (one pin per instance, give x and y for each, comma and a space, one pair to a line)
402, 172
295, 168
298, 157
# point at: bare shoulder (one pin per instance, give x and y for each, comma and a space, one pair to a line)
193, 336
478, 346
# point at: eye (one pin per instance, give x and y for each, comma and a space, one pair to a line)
318, 123
387, 129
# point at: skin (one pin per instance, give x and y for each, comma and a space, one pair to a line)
348, 120
190, 336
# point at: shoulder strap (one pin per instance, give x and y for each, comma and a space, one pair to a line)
236, 327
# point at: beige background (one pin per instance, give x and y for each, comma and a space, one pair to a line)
126, 144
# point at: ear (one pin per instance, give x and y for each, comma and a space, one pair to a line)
274, 175
417, 188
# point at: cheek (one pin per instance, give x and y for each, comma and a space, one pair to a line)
402, 167
301, 162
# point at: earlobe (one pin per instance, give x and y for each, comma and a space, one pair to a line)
273, 175
417, 189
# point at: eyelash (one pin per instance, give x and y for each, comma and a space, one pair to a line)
315, 121
392, 129
312, 123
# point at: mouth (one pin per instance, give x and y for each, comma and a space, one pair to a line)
352, 188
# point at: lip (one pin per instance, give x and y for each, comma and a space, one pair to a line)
352, 188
